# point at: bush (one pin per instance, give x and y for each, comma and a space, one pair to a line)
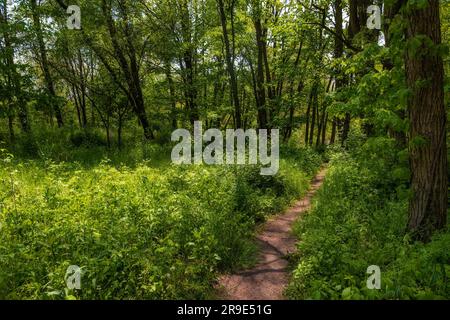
87, 138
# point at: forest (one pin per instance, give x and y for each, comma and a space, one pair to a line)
93, 207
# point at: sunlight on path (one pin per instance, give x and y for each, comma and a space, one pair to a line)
268, 279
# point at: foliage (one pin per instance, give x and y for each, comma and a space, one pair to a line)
87, 116
137, 233
358, 220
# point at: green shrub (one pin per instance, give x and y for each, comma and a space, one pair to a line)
87, 138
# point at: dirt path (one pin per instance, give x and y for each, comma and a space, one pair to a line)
268, 279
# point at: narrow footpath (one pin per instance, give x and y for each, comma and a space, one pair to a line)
268, 279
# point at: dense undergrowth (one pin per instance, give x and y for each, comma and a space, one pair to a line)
138, 231
359, 220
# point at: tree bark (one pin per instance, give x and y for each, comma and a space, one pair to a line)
427, 115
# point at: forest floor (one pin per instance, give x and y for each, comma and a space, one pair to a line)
270, 276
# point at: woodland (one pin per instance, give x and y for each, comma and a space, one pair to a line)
89, 101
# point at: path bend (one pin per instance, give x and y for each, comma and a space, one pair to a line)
270, 276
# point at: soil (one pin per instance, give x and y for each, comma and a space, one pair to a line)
270, 276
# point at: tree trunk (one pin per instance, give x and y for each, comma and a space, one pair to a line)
261, 97
324, 128
230, 64
82, 89
427, 115
333, 131
346, 128
77, 107
129, 68
44, 63
12, 136
13, 77
313, 120
321, 120
119, 132
311, 107
338, 53
173, 100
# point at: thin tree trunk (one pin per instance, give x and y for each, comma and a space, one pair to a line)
261, 100
321, 119
346, 128
13, 77
12, 136
173, 101
324, 128
44, 62
313, 120
130, 69
308, 113
83, 90
75, 100
229, 56
338, 53
119, 133
333, 131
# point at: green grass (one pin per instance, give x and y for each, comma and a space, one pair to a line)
139, 227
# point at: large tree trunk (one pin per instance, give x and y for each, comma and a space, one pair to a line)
426, 110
